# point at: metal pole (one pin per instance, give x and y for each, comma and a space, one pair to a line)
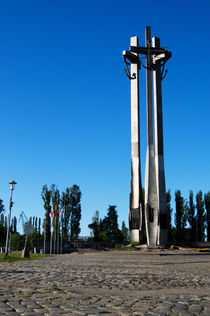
44, 250
61, 243
51, 237
54, 233
8, 224
58, 234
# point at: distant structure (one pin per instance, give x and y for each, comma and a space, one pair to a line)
154, 207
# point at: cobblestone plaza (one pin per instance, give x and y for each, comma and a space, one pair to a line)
157, 282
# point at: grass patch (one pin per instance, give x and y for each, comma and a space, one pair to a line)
17, 257
132, 246
54, 287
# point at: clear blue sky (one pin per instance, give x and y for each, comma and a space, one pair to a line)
65, 100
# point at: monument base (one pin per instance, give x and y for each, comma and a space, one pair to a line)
134, 235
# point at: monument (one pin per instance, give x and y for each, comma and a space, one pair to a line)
154, 208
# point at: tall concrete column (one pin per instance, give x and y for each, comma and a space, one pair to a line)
151, 201
159, 159
136, 202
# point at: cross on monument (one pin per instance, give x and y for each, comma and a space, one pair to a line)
154, 208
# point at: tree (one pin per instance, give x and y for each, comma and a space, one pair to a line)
70, 204
180, 216
35, 226
14, 225
113, 234
56, 203
39, 226
1, 206
201, 218
171, 236
75, 212
17, 241
99, 233
192, 217
46, 196
65, 205
124, 232
207, 207
3, 228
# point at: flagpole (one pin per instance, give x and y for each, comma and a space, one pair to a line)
58, 232
54, 233
44, 237
61, 251
51, 232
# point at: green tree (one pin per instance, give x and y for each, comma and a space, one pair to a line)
75, 212
192, 217
1, 206
97, 227
207, 207
39, 226
70, 204
201, 217
65, 205
180, 217
46, 196
56, 203
124, 231
113, 234
17, 242
3, 229
35, 226
14, 225
171, 235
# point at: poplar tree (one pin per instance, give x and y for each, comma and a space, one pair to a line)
46, 196
56, 203
65, 205
1, 206
201, 217
39, 226
124, 232
75, 212
180, 216
192, 217
169, 212
15, 225
207, 207
35, 227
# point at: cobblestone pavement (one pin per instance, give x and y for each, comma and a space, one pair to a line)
157, 282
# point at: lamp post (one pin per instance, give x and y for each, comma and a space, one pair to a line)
10, 208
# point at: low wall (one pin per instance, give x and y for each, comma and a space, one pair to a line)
68, 246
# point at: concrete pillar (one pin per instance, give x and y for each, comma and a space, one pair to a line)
151, 202
136, 202
159, 161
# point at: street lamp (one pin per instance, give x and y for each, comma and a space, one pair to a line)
10, 208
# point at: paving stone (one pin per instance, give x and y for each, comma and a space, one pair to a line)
112, 282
